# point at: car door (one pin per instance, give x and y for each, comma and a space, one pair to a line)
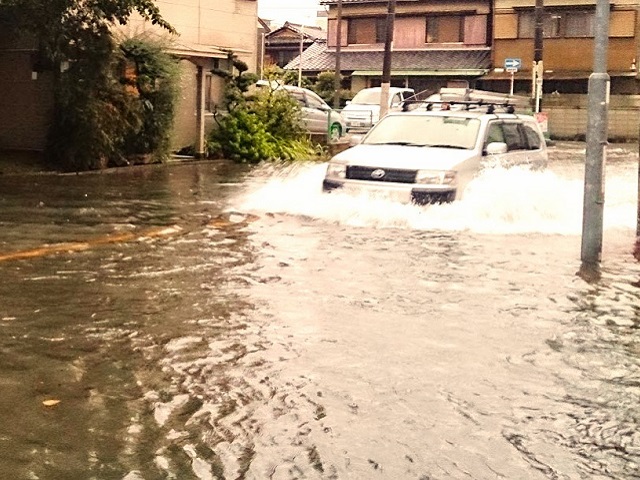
507, 132
299, 96
536, 145
318, 113
517, 148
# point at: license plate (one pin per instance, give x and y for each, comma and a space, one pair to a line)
399, 196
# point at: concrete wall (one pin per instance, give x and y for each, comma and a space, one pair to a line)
568, 116
185, 126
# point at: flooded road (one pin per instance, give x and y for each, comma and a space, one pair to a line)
208, 321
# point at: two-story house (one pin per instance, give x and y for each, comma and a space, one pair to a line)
568, 55
434, 42
208, 31
283, 44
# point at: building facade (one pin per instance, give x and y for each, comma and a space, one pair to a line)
568, 44
209, 32
443, 42
283, 44
435, 43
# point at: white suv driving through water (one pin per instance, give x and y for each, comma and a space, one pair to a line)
430, 154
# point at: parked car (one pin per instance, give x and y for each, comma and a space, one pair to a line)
430, 156
361, 113
318, 117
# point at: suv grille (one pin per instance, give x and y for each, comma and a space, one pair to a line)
381, 174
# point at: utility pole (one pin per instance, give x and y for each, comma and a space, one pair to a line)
337, 81
538, 69
593, 207
301, 50
386, 65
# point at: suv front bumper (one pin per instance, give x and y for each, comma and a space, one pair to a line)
418, 195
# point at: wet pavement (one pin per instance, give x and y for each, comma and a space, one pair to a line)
208, 320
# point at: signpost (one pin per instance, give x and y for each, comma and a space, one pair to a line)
512, 65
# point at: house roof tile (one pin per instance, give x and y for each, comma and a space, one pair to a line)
319, 58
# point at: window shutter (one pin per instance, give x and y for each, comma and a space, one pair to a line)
409, 32
332, 33
475, 30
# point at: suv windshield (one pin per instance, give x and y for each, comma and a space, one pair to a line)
425, 131
367, 97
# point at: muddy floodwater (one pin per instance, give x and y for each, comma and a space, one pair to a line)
213, 321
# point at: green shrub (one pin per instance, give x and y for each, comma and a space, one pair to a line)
263, 126
156, 81
114, 105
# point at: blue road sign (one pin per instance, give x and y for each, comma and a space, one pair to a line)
512, 63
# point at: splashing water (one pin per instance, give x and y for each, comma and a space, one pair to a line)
498, 201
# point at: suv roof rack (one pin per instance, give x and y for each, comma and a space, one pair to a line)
466, 99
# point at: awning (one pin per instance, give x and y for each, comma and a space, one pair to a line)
420, 73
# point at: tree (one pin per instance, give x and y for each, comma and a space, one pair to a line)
265, 125
324, 86
95, 117
65, 29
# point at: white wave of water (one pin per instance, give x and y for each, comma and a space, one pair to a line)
499, 201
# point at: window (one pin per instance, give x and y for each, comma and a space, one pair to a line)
533, 138
559, 24
445, 29
366, 31
512, 137
517, 136
494, 134
579, 24
299, 97
314, 102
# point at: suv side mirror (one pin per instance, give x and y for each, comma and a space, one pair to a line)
496, 148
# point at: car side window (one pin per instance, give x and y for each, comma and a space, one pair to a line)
532, 136
396, 99
299, 97
494, 134
512, 137
314, 102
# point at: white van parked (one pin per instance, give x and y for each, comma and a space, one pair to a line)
363, 112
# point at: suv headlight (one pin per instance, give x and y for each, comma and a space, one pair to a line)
436, 177
337, 170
